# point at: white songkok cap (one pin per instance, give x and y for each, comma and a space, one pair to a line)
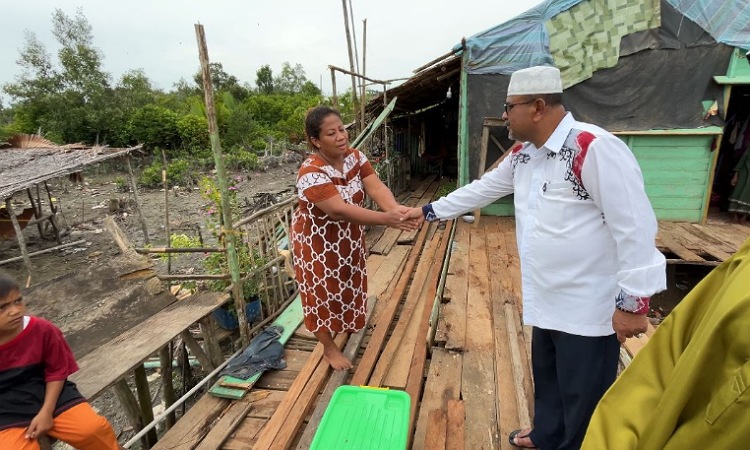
535, 80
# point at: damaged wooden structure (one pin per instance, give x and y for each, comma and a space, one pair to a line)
26, 168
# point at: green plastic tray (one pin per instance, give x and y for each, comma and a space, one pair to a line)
364, 418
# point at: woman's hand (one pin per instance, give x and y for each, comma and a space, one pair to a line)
396, 219
735, 179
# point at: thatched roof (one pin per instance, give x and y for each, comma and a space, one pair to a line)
21, 168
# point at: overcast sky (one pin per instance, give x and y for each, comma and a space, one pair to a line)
158, 35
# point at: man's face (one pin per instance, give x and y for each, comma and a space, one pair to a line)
518, 112
12, 311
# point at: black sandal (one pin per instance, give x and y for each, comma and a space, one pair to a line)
512, 437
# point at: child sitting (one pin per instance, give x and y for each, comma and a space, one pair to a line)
35, 396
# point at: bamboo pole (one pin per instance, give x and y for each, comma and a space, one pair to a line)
355, 74
137, 200
333, 87
41, 252
223, 188
166, 209
19, 237
144, 251
52, 208
351, 56
363, 95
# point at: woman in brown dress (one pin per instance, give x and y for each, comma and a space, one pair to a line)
328, 231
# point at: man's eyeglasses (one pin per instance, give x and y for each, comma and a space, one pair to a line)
509, 106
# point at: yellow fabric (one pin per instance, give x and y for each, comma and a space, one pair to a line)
688, 387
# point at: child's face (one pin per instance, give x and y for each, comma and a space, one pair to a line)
12, 311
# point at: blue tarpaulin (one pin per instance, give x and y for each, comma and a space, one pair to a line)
524, 41
726, 21
516, 44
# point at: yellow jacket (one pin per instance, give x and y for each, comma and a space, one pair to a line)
688, 387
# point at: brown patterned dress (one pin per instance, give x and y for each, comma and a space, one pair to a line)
330, 256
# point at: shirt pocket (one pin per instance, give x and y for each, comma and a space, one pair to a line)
555, 199
730, 393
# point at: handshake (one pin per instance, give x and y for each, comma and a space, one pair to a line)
404, 218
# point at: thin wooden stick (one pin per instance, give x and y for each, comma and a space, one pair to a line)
134, 187
19, 237
41, 252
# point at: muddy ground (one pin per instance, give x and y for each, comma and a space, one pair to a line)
83, 207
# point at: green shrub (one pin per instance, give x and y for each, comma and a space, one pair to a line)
180, 172
241, 160
193, 133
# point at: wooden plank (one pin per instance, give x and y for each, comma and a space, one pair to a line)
456, 284
678, 249
419, 191
194, 425
293, 413
416, 369
505, 387
700, 241
337, 379
436, 430
412, 299
456, 425
375, 344
519, 365
229, 421
379, 281
443, 385
478, 360
246, 436
102, 367
386, 242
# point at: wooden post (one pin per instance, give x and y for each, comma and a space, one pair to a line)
208, 329
165, 359
134, 186
226, 211
130, 405
37, 211
333, 87
166, 209
52, 209
363, 95
144, 399
194, 346
19, 237
482, 162
351, 56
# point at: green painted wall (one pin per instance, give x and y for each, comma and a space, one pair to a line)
676, 171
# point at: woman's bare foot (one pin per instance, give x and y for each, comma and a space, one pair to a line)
336, 359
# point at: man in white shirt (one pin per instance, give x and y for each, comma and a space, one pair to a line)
586, 238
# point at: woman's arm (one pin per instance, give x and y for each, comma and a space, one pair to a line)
379, 192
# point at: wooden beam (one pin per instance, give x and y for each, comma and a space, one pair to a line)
144, 399
195, 348
167, 388
41, 252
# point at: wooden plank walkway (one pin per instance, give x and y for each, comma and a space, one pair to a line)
470, 385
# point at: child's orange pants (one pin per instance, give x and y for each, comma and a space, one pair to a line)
79, 426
